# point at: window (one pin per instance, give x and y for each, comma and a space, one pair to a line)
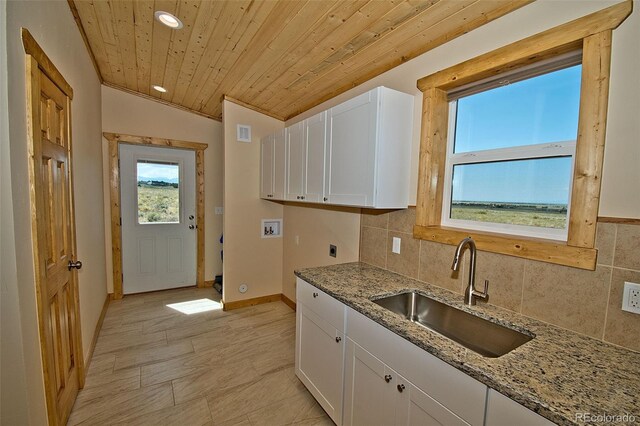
476, 167
510, 152
158, 192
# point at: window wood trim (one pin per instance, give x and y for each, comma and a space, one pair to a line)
114, 140
592, 34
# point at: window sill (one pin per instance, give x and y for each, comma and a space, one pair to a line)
528, 248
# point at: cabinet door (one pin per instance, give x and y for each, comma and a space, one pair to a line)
319, 360
351, 151
416, 408
266, 167
502, 411
314, 156
369, 397
279, 165
295, 161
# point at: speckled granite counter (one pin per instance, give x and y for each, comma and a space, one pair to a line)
557, 374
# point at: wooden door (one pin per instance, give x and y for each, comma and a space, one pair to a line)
369, 389
351, 151
53, 229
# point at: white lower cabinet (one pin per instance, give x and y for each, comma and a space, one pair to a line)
502, 411
375, 394
320, 350
363, 374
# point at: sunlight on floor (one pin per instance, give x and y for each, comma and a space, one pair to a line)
196, 306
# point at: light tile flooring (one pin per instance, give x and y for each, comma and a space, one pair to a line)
157, 366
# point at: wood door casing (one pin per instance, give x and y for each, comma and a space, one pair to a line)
54, 241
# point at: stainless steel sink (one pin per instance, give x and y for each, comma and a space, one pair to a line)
475, 333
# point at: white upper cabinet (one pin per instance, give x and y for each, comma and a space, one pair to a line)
266, 166
295, 161
354, 154
314, 158
369, 150
273, 166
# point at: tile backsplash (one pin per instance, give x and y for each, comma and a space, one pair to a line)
588, 302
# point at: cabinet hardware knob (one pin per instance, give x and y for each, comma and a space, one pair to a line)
387, 378
192, 226
297, 197
315, 295
338, 339
302, 197
77, 264
400, 387
191, 217
325, 199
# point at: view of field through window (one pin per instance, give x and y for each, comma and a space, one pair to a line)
158, 192
529, 191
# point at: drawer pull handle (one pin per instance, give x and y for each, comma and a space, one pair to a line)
315, 295
400, 387
387, 378
338, 339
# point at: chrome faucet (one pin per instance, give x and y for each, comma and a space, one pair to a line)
470, 294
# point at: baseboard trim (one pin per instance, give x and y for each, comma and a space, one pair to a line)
96, 333
229, 306
290, 303
209, 283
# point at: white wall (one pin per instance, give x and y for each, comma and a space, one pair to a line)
130, 114
248, 258
13, 391
622, 151
52, 25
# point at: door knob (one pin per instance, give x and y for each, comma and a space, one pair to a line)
192, 226
400, 387
338, 339
77, 264
387, 378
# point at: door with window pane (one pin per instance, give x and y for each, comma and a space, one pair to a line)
158, 218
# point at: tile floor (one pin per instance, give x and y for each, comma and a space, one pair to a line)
155, 365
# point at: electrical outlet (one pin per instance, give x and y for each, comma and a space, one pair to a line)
631, 298
396, 245
333, 250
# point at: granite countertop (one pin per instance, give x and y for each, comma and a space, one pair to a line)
557, 374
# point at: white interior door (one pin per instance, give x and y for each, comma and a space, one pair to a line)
158, 203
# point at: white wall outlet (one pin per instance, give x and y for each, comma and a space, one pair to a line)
631, 298
396, 245
243, 288
219, 210
271, 228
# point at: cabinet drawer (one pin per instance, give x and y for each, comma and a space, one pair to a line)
328, 308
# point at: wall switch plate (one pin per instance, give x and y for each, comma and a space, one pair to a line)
219, 210
396, 245
333, 250
631, 298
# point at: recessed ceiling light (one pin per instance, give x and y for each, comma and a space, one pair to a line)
159, 88
168, 19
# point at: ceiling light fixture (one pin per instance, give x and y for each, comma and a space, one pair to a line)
159, 88
168, 19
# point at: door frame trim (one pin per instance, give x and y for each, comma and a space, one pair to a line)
36, 60
115, 139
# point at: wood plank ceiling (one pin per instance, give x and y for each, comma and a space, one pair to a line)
282, 57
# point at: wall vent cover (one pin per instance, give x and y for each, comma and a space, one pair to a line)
244, 133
